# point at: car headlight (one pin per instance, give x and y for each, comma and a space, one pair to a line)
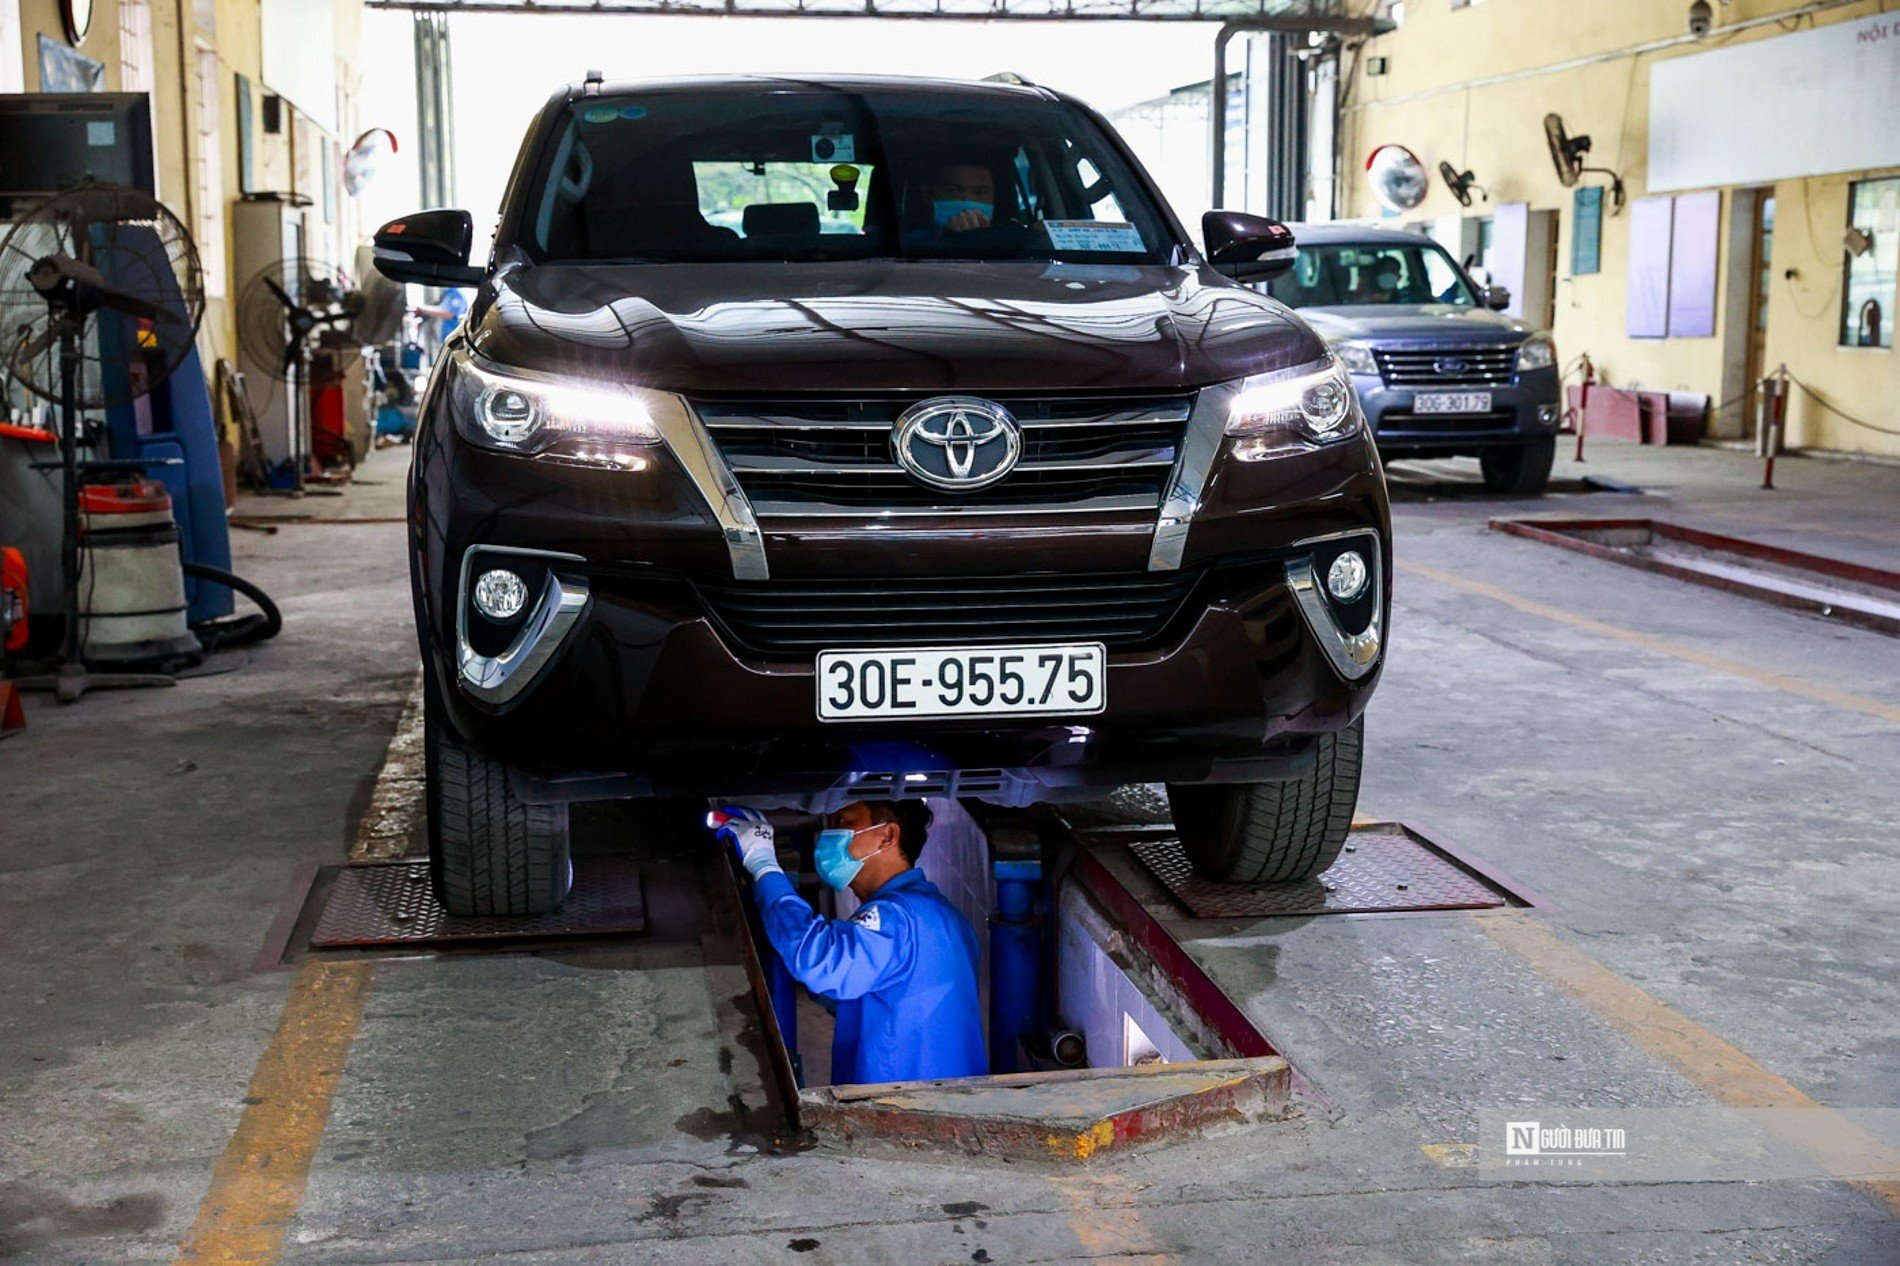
1355, 357
581, 424
1292, 409
1539, 351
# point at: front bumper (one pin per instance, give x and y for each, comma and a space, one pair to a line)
641, 694
1526, 411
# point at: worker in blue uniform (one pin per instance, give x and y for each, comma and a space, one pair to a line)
902, 968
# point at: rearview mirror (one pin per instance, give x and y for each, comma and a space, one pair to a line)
429, 248
1247, 247
1497, 298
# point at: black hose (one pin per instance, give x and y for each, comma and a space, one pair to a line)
234, 631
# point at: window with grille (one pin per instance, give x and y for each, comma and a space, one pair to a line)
1872, 262
135, 45
208, 173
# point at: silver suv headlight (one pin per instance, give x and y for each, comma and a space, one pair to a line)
1356, 358
1539, 351
588, 424
1292, 409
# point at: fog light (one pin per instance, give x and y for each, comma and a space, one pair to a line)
500, 594
1547, 415
1346, 578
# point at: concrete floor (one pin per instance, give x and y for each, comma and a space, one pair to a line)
1702, 787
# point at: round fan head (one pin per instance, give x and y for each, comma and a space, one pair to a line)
1459, 182
282, 309
103, 274
1566, 151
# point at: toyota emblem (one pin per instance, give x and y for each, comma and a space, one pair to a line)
959, 443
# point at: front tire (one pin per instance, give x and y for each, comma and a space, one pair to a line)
1521, 469
1273, 832
491, 854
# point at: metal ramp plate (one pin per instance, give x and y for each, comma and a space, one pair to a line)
391, 903
1386, 868
1059, 1116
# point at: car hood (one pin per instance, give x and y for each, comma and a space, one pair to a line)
885, 325
1416, 321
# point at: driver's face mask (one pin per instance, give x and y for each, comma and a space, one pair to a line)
944, 210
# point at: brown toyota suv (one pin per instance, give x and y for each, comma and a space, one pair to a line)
812, 440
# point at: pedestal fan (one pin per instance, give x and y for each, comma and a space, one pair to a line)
100, 299
280, 313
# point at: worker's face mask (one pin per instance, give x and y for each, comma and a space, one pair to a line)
833, 857
943, 210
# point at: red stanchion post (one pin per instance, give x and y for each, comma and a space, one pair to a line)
1583, 400
1773, 418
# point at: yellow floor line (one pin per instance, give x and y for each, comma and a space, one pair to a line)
1107, 1221
258, 1183
1663, 646
1718, 1067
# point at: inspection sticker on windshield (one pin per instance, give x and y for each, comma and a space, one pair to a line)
1093, 235
991, 681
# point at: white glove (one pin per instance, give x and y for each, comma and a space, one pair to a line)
751, 837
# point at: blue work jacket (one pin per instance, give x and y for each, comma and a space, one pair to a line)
902, 969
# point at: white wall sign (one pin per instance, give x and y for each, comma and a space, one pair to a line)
1818, 101
299, 39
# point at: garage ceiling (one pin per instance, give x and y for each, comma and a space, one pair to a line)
1301, 15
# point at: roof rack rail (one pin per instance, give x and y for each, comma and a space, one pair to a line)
592, 85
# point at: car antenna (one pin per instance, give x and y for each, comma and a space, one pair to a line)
591, 88
1007, 77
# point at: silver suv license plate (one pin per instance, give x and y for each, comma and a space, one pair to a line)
1452, 402
993, 681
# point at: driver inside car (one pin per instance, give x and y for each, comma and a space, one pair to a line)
962, 197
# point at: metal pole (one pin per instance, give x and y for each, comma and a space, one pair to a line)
1217, 118
1774, 418
69, 472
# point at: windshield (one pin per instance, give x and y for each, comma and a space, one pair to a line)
756, 174
1345, 274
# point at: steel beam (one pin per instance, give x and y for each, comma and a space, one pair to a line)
1283, 24
1318, 15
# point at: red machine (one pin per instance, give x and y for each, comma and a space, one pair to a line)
12, 633
12, 599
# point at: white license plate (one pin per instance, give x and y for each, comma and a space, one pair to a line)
989, 681
1452, 402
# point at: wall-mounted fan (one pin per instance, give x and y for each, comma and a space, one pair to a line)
1461, 183
1566, 154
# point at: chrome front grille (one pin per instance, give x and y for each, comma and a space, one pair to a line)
1448, 367
798, 458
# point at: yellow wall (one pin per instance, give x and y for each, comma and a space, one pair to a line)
1496, 131
235, 36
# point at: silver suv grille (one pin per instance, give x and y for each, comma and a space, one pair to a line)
832, 457
1447, 366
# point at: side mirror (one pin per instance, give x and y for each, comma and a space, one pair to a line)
1497, 298
429, 248
1247, 247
